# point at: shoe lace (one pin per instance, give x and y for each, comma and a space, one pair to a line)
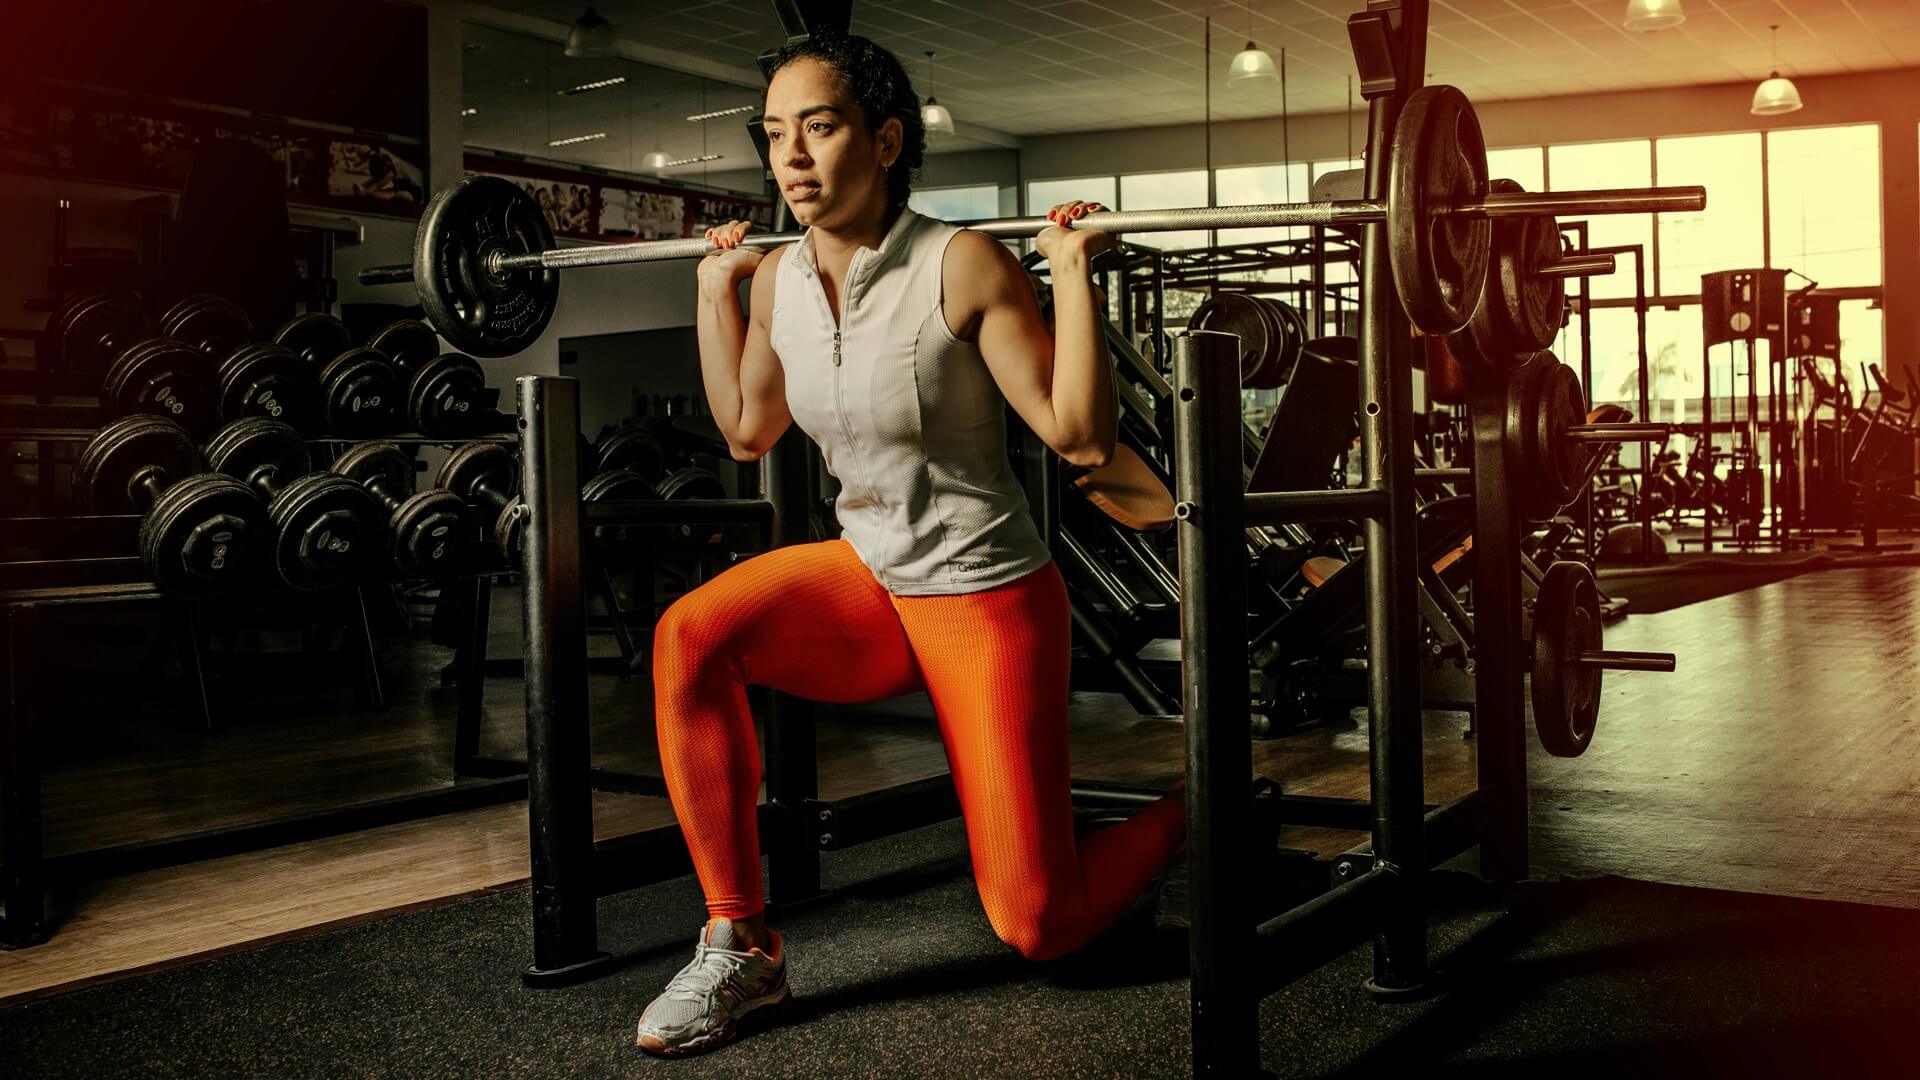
710, 970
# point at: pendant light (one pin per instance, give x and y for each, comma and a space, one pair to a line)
590, 37
655, 159
1776, 96
935, 117
1251, 65
1646, 15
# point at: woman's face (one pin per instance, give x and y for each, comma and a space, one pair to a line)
826, 161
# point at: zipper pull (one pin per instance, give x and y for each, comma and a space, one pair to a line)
836, 348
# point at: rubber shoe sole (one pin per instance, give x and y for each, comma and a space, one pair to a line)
766, 1007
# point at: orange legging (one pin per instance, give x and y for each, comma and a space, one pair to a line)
811, 621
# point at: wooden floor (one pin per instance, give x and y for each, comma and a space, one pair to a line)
1783, 758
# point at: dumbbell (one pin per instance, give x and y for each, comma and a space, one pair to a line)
635, 448
202, 533
359, 388
322, 525
212, 324
485, 476
174, 374
89, 329
423, 524
446, 393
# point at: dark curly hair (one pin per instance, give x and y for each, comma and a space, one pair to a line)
874, 77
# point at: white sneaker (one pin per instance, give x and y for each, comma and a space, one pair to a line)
702, 1006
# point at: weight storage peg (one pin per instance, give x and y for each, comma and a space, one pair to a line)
202, 533
323, 526
424, 525
359, 388
487, 271
446, 393
1568, 657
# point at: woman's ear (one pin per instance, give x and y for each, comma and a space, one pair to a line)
892, 135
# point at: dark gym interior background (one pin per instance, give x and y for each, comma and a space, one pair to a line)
284, 830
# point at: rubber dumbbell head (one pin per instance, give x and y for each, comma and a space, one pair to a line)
323, 526
423, 525
162, 377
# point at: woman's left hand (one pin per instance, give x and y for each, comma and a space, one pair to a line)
1061, 240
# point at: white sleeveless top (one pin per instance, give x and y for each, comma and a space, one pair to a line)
907, 417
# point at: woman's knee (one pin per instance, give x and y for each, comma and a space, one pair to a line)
1030, 925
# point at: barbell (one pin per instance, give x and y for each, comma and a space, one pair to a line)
487, 271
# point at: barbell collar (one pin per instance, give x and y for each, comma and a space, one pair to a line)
1620, 432
1261, 215
1578, 265
1621, 660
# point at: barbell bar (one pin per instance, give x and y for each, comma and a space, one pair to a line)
1255, 216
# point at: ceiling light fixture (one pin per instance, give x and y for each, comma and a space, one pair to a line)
577, 139
1251, 65
469, 111
935, 117
694, 160
590, 37
1648, 15
718, 113
589, 87
1776, 95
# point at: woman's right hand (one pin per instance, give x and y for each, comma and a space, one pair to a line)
728, 264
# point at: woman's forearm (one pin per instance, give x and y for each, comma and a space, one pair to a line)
1083, 404
721, 328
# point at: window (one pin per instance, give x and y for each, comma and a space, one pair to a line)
1608, 165
1165, 191
1260, 184
1044, 195
1727, 234
1823, 196
1523, 164
976, 203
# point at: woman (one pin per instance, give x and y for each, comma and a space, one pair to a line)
895, 342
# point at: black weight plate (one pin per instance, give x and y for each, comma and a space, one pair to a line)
360, 394
1296, 324
475, 464
325, 532
691, 482
117, 455
1269, 374
409, 343
481, 311
444, 397
1240, 315
162, 377
90, 328
1566, 694
204, 536
425, 528
212, 324
1533, 480
315, 338
377, 463
633, 449
1559, 405
263, 379
259, 451
1521, 311
1439, 259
